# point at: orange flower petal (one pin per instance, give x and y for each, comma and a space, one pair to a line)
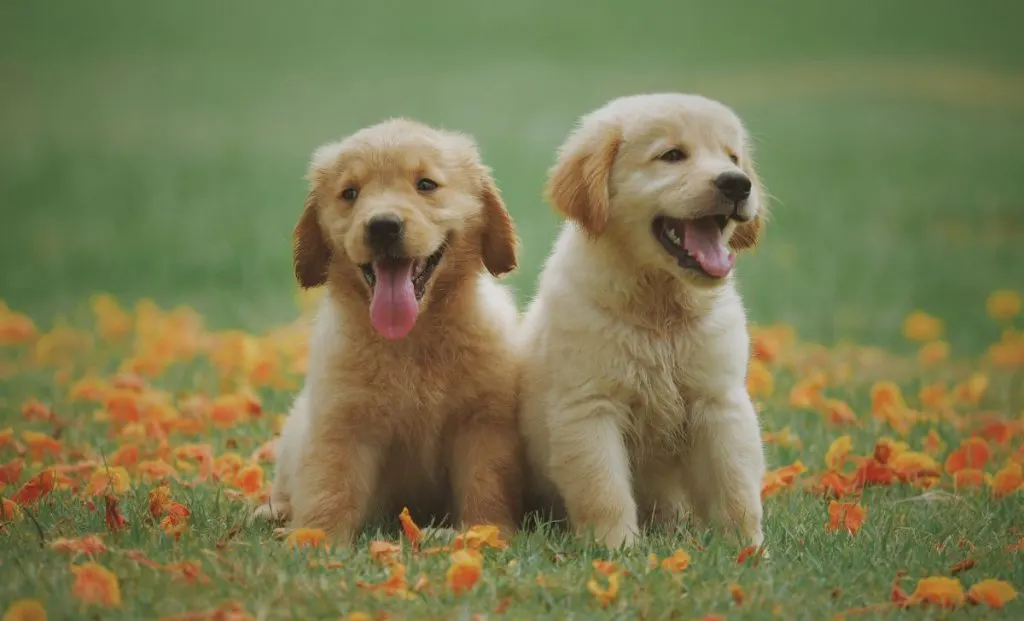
760, 382
250, 480
127, 456
888, 450
806, 393
112, 515
384, 550
972, 389
25, 610
933, 397
306, 537
737, 593
9, 510
1008, 480
676, 563
938, 590
845, 515
187, 571
15, 328
748, 553
933, 444
973, 453
837, 452
885, 397
1003, 304
968, 478
35, 488
40, 445
409, 527
781, 478
89, 544
480, 536
396, 584
108, 480
156, 470
97, 585
995, 593
933, 353
839, 412
159, 500
175, 521
11, 471
920, 326
465, 570
605, 595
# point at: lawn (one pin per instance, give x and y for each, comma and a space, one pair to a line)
155, 153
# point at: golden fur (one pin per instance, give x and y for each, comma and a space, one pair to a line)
427, 421
633, 400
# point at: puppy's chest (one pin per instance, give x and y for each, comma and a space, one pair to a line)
665, 377
419, 393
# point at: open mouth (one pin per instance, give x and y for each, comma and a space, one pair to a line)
696, 244
420, 270
397, 285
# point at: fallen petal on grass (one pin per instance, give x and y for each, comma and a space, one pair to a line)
306, 537
993, 593
97, 585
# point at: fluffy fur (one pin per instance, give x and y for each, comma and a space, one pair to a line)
427, 421
633, 401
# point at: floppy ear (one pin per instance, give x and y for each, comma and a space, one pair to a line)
311, 253
578, 182
499, 243
747, 234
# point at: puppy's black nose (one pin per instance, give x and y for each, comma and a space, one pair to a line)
384, 232
735, 186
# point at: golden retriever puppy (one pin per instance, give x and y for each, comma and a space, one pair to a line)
410, 399
633, 400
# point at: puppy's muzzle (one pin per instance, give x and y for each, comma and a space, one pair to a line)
735, 188
384, 234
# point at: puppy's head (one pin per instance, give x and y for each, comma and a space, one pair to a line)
392, 209
670, 175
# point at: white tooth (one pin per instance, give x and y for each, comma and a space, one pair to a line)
417, 268
673, 237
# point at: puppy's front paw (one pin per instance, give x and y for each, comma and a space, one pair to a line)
615, 536
278, 512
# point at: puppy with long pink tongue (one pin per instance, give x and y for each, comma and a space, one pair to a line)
393, 307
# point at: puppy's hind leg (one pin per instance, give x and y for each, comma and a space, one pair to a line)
287, 450
590, 466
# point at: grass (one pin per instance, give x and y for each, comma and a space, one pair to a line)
157, 152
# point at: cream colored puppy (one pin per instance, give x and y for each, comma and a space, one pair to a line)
633, 396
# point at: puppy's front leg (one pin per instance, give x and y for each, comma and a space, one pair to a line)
590, 466
487, 474
726, 465
336, 479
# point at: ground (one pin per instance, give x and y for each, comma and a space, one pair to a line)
157, 152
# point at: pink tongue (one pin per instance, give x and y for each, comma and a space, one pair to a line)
393, 307
703, 240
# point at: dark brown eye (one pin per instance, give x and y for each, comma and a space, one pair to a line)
349, 194
673, 155
735, 158
426, 185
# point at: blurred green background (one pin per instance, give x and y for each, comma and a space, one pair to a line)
157, 149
